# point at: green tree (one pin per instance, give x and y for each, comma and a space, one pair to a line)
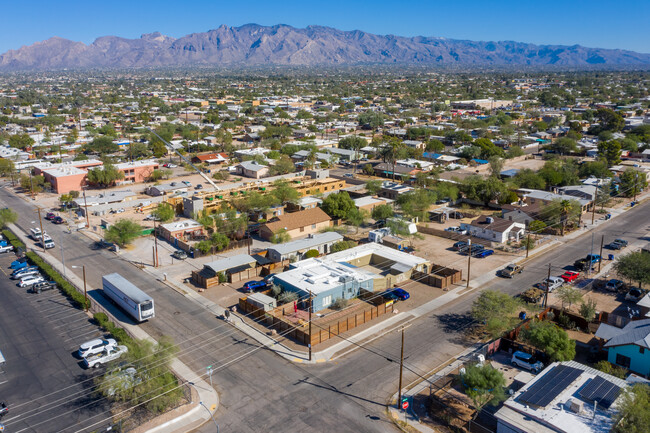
371, 119
610, 151
104, 176
382, 212
353, 143
367, 169
123, 232
204, 246
598, 169
495, 310
373, 186
7, 216
588, 310
488, 148
483, 190
284, 192
527, 178
634, 266
339, 205
484, 384
6, 167
564, 146
417, 203
102, 145
283, 165
342, 245
33, 184
281, 237
220, 241
514, 152
164, 212
137, 150
21, 141
609, 121
551, 339
633, 415
632, 182
496, 166
568, 295
536, 226
435, 145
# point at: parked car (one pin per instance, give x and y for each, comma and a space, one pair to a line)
269, 278
6, 248
107, 355
43, 286
179, 255
401, 294
170, 165
622, 242
348, 175
570, 276
477, 248
533, 295
58, 220
47, 243
614, 285
458, 245
594, 258
50, 216
553, 283
186, 183
251, 286
482, 254
19, 264
151, 217
95, 346
510, 270
24, 273
198, 186
615, 245
635, 294
32, 279
456, 230
526, 361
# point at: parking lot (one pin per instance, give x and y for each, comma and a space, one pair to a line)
43, 383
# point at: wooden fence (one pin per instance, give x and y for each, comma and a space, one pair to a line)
441, 277
320, 332
453, 235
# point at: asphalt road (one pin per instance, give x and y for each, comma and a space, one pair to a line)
260, 390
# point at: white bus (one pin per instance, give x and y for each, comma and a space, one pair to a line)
134, 301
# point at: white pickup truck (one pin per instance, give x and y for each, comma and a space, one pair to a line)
107, 355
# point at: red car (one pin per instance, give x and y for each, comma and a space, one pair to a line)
570, 276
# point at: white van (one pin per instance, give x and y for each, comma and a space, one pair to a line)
35, 233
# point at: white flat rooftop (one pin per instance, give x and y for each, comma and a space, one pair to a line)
322, 275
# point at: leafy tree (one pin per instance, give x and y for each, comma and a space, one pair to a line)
311, 253
609, 121
220, 241
357, 217
598, 169
633, 414
491, 304
204, 246
137, 150
470, 152
514, 152
612, 369
536, 226
484, 384
164, 212
564, 146
371, 119
159, 174
588, 310
21, 141
610, 151
562, 212
417, 203
342, 245
123, 232
568, 295
382, 212
104, 176
6, 167
33, 184
102, 145
281, 237
527, 178
7, 216
158, 148
483, 190
554, 341
283, 165
284, 193
367, 169
488, 148
559, 172
352, 143
632, 182
339, 205
496, 165
435, 145
373, 186
634, 266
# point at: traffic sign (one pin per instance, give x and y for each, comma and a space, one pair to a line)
405, 404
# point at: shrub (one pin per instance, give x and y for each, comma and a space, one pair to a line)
286, 297
612, 369
311, 253
222, 277
339, 304
13, 240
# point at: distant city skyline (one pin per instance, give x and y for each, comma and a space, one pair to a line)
597, 23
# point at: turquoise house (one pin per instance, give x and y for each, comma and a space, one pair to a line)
628, 347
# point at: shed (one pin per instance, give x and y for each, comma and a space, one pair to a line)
260, 300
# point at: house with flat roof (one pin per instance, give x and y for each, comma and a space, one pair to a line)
325, 281
167, 189
564, 397
392, 190
368, 203
137, 171
183, 229
545, 197
321, 242
297, 224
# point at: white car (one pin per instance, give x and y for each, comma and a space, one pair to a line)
107, 355
95, 346
526, 361
6, 249
553, 283
31, 280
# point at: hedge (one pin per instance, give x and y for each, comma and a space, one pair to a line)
119, 333
13, 240
67, 288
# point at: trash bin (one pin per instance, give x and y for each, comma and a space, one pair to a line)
522, 315
610, 256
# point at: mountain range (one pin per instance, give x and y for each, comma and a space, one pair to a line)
256, 45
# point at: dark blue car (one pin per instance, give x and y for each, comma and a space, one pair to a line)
396, 294
483, 253
251, 286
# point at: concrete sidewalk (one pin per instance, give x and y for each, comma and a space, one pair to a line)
207, 395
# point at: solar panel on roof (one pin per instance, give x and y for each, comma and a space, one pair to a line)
550, 385
601, 390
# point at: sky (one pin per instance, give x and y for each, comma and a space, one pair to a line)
595, 23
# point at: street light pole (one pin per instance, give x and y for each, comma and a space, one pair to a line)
206, 408
83, 270
310, 308
469, 260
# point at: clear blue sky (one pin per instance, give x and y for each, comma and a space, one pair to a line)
594, 23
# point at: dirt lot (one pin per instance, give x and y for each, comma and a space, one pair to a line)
439, 251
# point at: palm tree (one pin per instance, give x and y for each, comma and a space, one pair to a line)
565, 209
394, 144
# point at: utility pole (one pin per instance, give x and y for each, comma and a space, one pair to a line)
602, 241
547, 284
636, 179
31, 185
155, 241
40, 220
83, 270
591, 255
527, 244
310, 308
593, 209
86, 209
469, 260
401, 367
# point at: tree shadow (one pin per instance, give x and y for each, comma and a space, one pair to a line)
458, 326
